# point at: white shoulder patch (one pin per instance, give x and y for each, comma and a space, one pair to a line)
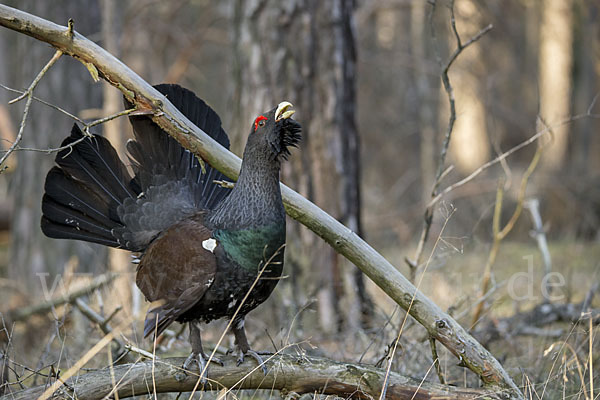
209, 244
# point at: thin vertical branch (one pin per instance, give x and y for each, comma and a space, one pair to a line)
436, 361
441, 169
500, 234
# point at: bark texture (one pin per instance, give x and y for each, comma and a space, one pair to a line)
290, 374
555, 59
469, 146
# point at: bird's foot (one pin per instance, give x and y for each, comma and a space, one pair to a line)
253, 354
200, 360
216, 361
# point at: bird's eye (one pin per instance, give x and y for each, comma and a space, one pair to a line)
260, 121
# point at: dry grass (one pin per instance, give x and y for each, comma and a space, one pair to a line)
547, 367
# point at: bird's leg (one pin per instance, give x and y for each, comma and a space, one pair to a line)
242, 344
197, 356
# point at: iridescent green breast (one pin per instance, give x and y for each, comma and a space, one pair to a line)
251, 248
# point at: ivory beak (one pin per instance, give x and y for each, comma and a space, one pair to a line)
284, 111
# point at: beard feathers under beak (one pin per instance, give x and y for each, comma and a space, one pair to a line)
289, 132
284, 110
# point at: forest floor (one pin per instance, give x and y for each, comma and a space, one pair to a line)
545, 357
548, 359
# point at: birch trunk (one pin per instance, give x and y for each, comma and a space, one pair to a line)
555, 59
469, 146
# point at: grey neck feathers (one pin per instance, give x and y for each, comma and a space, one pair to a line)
255, 200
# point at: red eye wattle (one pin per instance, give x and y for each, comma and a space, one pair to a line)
260, 121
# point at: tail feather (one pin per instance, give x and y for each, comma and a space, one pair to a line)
168, 176
196, 110
91, 196
82, 194
155, 154
95, 162
65, 190
73, 221
59, 231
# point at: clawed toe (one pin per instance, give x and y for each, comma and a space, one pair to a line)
242, 344
200, 360
194, 358
254, 355
197, 356
216, 361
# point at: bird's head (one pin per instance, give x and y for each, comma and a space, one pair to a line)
273, 132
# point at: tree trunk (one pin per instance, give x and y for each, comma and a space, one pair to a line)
555, 59
35, 259
317, 75
427, 89
469, 146
586, 143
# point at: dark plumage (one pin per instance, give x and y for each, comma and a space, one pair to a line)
202, 246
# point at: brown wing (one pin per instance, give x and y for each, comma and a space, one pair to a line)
176, 270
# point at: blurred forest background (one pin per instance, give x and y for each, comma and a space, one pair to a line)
364, 77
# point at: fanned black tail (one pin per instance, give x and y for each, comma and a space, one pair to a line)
91, 195
82, 194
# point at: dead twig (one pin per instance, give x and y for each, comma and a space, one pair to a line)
460, 47
501, 157
224, 184
86, 126
500, 234
57, 108
531, 322
121, 351
533, 206
134, 349
24, 313
38, 78
86, 134
436, 361
50, 390
405, 319
3, 372
29, 94
442, 170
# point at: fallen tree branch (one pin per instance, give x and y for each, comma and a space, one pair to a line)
23, 313
530, 322
291, 374
121, 352
438, 323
